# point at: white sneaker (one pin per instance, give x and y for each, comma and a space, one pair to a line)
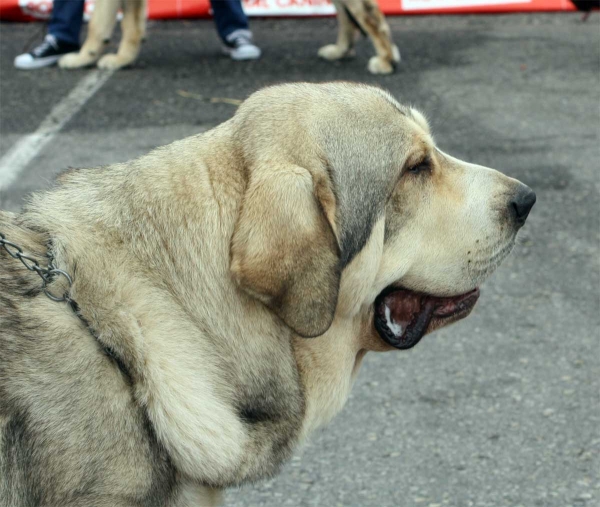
241, 48
47, 53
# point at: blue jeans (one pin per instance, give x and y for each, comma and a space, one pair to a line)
65, 23
230, 19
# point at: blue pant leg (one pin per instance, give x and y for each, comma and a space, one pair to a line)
229, 18
65, 23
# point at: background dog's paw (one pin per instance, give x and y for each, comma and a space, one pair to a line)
113, 62
335, 52
396, 54
76, 60
378, 65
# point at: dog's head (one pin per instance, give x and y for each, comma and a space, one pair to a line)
350, 209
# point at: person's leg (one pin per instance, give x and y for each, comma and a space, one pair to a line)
230, 19
232, 25
65, 23
62, 37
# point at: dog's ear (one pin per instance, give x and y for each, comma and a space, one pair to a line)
284, 251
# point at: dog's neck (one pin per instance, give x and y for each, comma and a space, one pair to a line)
217, 372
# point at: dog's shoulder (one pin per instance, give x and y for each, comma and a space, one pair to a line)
67, 415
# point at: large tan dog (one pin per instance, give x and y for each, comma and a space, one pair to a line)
228, 286
352, 15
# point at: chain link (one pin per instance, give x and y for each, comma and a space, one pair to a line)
46, 274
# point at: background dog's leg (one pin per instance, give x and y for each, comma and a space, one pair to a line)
346, 33
368, 15
100, 29
133, 27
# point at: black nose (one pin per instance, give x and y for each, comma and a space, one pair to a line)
521, 203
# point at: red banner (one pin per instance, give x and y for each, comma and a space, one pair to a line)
26, 10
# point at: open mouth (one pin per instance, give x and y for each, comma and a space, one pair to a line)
403, 317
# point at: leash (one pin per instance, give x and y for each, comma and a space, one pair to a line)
47, 275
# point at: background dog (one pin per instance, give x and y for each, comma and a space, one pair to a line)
200, 273
352, 15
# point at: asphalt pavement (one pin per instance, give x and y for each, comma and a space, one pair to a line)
499, 410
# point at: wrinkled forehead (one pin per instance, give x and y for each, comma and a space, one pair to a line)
366, 149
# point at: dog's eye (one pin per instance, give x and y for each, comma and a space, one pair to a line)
423, 166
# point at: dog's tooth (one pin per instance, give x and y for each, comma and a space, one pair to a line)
393, 326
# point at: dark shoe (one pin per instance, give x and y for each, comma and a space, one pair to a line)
47, 53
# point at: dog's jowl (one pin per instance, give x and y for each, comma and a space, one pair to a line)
224, 290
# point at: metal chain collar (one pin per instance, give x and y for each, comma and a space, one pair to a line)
46, 274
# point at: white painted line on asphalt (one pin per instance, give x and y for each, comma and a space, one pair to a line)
25, 149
